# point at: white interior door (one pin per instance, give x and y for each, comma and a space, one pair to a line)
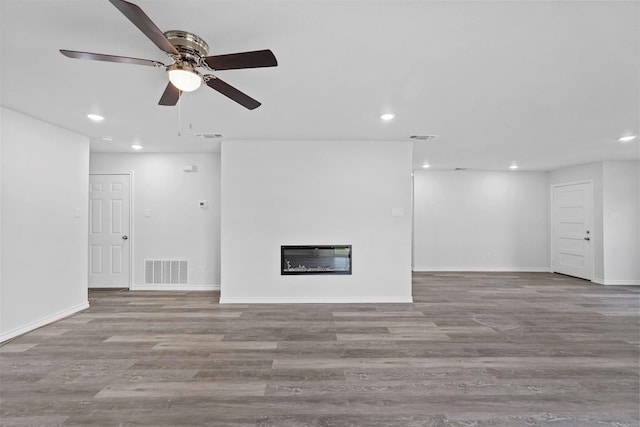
571, 236
109, 243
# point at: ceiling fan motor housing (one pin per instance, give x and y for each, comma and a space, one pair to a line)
192, 48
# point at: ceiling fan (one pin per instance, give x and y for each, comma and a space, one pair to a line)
187, 52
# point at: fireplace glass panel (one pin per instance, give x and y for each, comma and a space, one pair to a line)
327, 259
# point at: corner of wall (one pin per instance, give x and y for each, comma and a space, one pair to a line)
43, 321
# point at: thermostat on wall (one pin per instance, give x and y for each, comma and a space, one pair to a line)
397, 212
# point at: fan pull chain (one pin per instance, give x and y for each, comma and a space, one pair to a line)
180, 101
179, 116
187, 112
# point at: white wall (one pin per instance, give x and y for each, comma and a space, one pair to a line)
44, 223
481, 221
621, 216
316, 193
177, 227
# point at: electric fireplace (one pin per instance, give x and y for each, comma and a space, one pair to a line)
318, 259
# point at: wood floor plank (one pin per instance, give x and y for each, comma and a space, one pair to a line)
165, 389
396, 336
187, 339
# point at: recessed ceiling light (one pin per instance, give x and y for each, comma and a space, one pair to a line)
513, 166
95, 117
387, 116
426, 165
627, 138
136, 147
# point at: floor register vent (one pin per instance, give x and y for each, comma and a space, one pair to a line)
165, 271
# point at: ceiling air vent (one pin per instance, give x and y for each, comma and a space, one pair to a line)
208, 135
101, 138
461, 169
423, 137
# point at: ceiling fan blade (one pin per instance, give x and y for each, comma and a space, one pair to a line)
170, 96
234, 61
145, 24
109, 58
231, 92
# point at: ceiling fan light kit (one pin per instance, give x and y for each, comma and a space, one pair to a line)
184, 77
187, 52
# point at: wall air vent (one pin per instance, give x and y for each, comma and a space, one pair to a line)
423, 137
208, 135
159, 271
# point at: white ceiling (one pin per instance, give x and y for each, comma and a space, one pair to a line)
544, 84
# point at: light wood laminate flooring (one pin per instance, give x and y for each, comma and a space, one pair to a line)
474, 349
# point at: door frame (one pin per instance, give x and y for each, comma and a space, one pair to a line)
551, 224
131, 226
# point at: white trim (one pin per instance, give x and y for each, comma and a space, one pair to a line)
310, 300
485, 269
98, 172
617, 282
44, 321
173, 287
413, 217
582, 181
131, 225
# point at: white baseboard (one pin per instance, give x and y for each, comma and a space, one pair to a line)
308, 300
43, 321
173, 287
484, 269
616, 282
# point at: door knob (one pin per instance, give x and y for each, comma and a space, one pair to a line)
587, 238
125, 237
